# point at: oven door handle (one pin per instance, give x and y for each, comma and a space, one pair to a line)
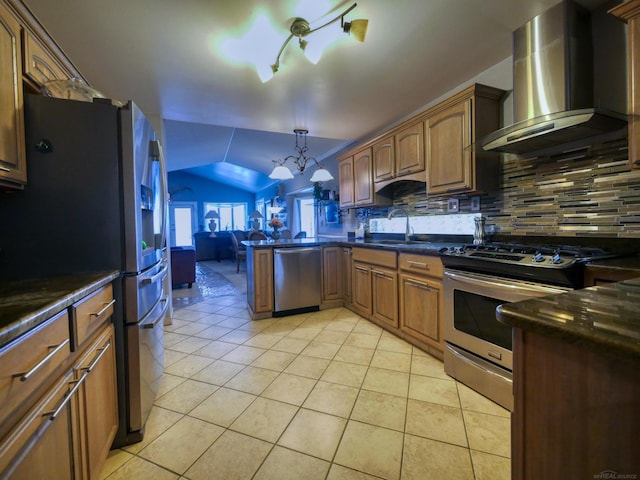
515, 286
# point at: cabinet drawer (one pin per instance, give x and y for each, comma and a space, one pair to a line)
375, 257
30, 360
89, 314
421, 264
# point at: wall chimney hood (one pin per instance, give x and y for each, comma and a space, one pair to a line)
561, 92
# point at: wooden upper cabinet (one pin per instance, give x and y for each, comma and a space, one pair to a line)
410, 149
451, 130
363, 179
399, 154
345, 172
629, 12
384, 160
40, 65
13, 165
450, 162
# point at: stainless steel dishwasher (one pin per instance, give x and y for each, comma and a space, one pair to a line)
296, 278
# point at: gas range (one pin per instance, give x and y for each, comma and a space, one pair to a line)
553, 264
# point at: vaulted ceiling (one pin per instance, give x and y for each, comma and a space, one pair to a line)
220, 121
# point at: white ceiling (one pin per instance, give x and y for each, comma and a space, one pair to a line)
218, 116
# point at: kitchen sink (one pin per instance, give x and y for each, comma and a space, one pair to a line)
395, 242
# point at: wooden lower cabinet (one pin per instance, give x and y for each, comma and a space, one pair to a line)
575, 410
346, 275
374, 280
260, 282
98, 401
68, 433
420, 308
43, 445
420, 293
384, 288
331, 274
361, 299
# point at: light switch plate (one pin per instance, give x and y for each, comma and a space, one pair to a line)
453, 205
475, 204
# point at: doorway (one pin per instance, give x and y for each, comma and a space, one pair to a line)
182, 223
307, 210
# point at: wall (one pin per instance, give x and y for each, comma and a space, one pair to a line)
192, 188
588, 192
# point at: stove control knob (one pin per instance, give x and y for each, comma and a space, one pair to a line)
538, 257
461, 250
556, 258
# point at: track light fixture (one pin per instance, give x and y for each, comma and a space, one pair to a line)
300, 28
282, 172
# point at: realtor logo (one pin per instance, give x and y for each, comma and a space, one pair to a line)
611, 475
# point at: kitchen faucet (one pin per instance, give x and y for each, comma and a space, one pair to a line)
407, 232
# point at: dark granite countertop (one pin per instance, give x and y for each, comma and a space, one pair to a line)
419, 247
625, 264
604, 318
26, 303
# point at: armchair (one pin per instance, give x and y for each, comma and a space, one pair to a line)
183, 266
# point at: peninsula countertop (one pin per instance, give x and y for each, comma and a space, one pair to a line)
604, 318
26, 303
419, 247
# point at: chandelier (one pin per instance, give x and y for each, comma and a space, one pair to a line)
282, 172
300, 28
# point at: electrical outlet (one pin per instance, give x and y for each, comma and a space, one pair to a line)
453, 205
475, 204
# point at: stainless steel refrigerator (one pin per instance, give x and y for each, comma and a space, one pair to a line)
96, 200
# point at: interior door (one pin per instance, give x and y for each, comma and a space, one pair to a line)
182, 223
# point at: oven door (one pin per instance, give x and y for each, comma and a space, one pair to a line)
478, 350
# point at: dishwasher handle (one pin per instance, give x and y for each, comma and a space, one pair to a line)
290, 251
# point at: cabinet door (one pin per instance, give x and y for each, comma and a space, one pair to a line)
331, 273
361, 291
449, 158
12, 147
39, 63
45, 443
263, 268
384, 160
410, 150
345, 172
363, 181
346, 275
99, 400
420, 309
384, 287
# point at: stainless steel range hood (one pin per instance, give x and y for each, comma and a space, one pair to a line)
560, 95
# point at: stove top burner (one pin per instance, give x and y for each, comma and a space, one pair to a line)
557, 264
535, 255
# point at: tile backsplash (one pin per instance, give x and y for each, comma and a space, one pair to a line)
587, 192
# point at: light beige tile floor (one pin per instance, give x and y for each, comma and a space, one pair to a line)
324, 395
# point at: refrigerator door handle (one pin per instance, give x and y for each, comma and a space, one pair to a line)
146, 323
157, 277
156, 151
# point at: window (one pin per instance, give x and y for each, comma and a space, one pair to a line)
233, 216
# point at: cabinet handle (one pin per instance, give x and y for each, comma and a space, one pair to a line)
102, 351
5, 169
419, 285
52, 414
24, 376
104, 309
418, 264
380, 274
